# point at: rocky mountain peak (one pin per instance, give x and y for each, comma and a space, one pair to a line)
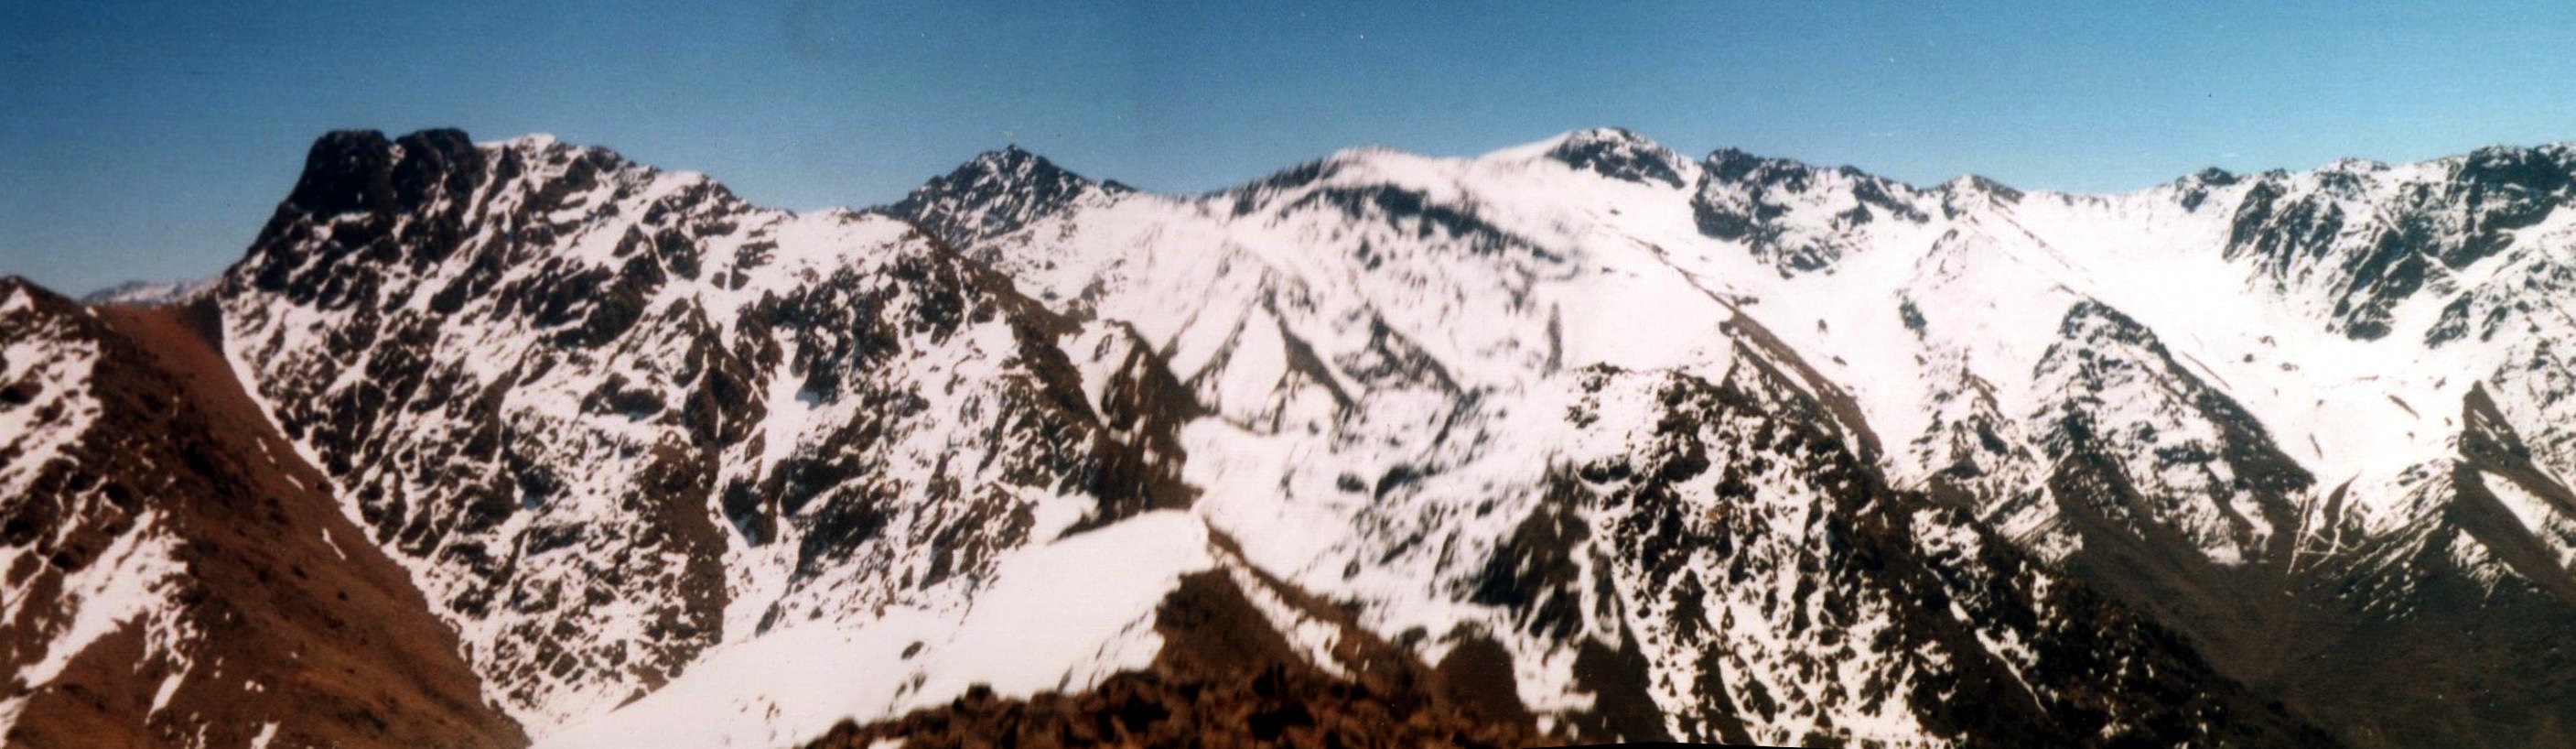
360, 170
995, 193
2213, 176
1796, 217
2543, 172
1618, 153
1736, 165
1978, 184
12, 285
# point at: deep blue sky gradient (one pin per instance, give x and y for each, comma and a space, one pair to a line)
151, 140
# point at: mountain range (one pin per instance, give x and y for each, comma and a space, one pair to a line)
492, 444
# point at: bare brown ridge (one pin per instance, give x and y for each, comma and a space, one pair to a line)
303, 631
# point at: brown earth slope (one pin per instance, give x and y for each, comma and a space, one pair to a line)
282, 624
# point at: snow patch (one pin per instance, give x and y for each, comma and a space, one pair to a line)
1060, 616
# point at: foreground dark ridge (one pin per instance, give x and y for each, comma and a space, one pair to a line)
1224, 678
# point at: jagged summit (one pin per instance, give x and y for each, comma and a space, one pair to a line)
1008, 167
1978, 184
1731, 164
1620, 154
531, 140
1605, 134
995, 193
2210, 176
1625, 154
353, 170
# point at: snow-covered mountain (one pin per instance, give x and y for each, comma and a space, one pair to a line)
613, 420
1584, 439
2253, 406
149, 292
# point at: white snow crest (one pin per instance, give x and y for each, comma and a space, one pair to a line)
1059, 616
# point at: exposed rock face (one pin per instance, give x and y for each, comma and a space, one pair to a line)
1734, 487
996, 194
1794, 217
1622, 155
176, 574
611, 417
2368, 237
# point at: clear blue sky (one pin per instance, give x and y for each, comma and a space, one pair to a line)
152, 140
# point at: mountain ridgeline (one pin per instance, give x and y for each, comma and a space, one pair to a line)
491, 444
